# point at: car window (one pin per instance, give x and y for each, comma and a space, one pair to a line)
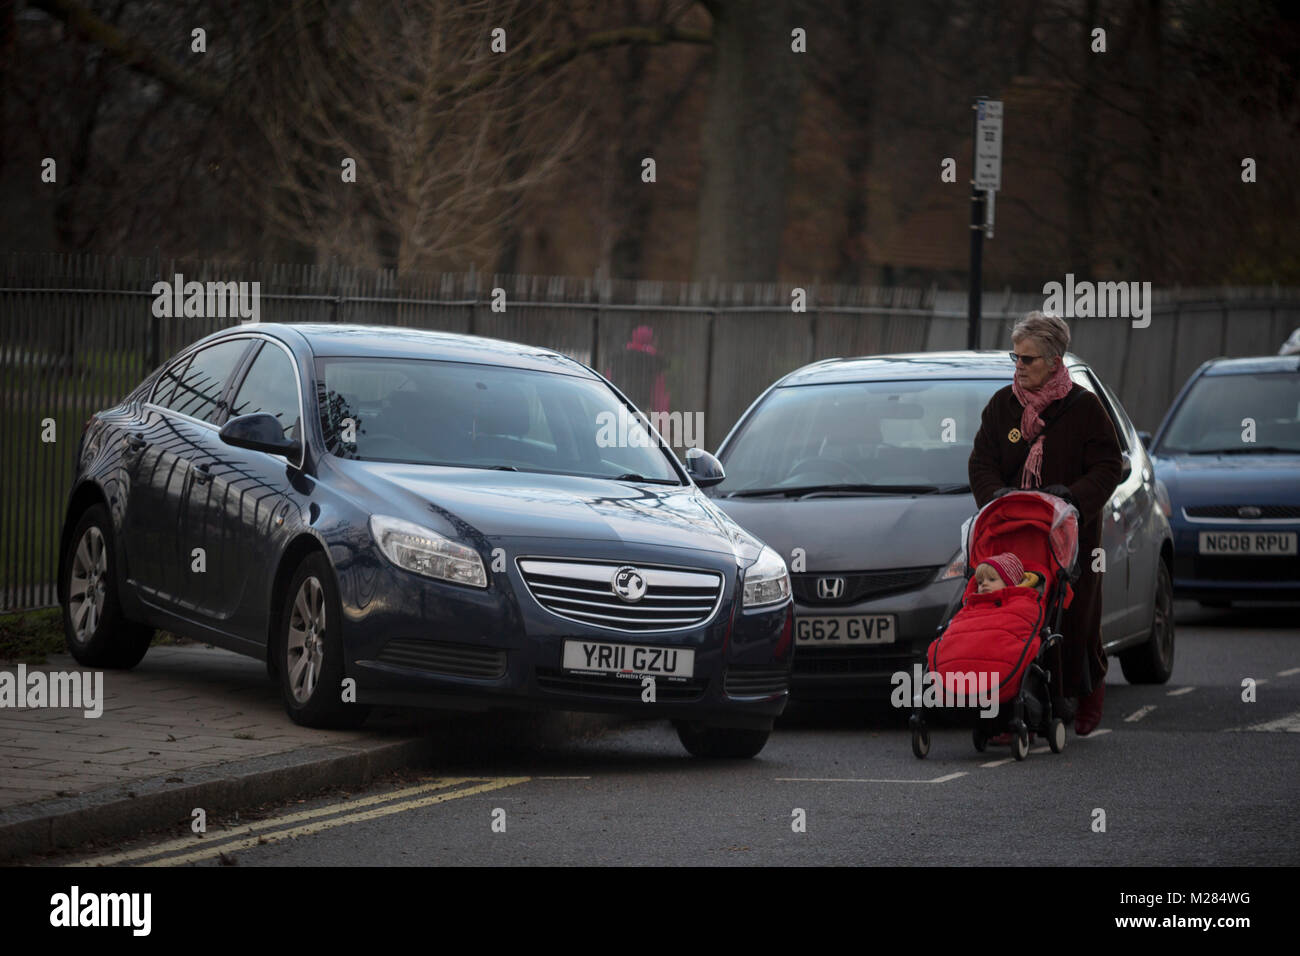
1236, 414
877, 433
164, 390
199, 388
481, 416
1085, 378
270, 387
1126, 433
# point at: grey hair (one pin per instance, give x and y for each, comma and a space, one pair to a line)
1049, 331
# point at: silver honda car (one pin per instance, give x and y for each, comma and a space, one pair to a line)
855, 471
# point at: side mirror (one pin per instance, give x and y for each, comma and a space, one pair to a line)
260, 432
1145, 438
704, 469
1126, 466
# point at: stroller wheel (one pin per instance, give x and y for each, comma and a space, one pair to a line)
920, 739
980, 739
1056, 735
1020, 741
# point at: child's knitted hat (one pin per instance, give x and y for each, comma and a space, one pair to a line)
1008, 566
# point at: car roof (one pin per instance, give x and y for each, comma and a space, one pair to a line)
985, 364
1253, 364
387, 341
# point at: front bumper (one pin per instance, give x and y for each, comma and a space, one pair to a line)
856, 672
413, 641
1235, 578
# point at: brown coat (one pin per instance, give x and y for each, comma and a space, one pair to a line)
1080, 451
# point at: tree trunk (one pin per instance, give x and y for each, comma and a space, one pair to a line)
748, 133
1083, 114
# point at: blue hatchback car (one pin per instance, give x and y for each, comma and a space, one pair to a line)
1228, 451
391, 516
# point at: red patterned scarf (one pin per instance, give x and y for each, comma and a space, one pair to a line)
1031, 424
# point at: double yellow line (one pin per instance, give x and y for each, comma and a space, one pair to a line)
195, 848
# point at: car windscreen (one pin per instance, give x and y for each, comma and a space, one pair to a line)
483, 416
859, 437
1236, 414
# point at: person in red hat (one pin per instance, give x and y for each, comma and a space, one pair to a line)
1002, 571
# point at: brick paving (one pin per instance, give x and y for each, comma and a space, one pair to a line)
180, 708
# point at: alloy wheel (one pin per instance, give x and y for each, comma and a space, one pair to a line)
305, 647
88, 584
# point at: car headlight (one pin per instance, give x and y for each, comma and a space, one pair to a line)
767, 581
956, 568
424, 551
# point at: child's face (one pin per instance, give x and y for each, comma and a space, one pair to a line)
987, 579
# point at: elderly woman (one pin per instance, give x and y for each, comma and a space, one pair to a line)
1044, 432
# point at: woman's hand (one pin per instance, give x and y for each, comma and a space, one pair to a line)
1062, 492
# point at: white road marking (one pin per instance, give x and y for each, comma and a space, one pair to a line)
1288, 672
1260, 680
944, 779
1139, 714
1095, 733
1289, 724
999, 763
1041, 750
561, 778
1180, 691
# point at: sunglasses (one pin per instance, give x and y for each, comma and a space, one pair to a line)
1024, 359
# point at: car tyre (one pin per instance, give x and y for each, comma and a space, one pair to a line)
309, 650
97, 633
1153, 661
728, 743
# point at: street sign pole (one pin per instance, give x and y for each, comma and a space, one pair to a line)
976, 263
986, 179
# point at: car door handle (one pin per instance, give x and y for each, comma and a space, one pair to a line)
202, 473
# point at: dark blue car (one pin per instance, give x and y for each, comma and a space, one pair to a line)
1228, 452
416, 518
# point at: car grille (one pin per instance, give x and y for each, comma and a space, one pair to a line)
860, 585
457, 660
675, 599
612, 687
1266, 512
761, 683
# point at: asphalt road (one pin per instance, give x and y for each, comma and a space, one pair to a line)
1185, 773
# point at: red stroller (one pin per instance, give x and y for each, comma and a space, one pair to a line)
1007, 641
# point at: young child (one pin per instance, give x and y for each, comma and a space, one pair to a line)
1002, 570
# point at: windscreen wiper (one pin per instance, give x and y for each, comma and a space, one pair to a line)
633, 476
1248, 449
804, 491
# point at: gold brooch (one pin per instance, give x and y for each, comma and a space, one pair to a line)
1014, 435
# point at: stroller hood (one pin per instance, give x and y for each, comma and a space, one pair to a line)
1040, 529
